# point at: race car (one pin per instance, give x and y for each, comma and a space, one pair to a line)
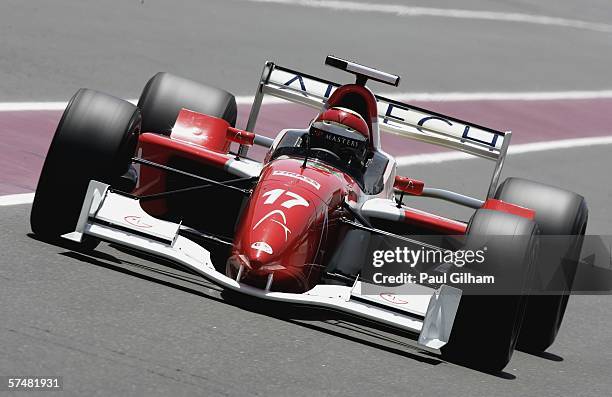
171, 177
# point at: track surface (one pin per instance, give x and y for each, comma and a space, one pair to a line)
115, 324
51, 50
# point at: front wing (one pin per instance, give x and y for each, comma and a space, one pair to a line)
117, 218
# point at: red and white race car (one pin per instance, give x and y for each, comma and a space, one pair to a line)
171, 177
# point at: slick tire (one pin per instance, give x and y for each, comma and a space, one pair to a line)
165, 95
558, 212
488, 320
95, 139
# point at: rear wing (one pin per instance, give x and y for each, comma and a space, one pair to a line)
394, 117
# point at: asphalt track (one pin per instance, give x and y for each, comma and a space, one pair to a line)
115, 324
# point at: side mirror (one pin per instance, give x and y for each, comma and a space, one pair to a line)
407, 185
240, 136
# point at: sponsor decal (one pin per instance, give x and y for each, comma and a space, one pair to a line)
392, 298
301, 81
302, 178
282, 224
396, 114
262, 246
136, 221
342, 140
392, 114
271, 197
274, 194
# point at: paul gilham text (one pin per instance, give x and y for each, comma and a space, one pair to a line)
426, 278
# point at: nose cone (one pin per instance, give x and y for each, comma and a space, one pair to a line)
279, 247
280, 240
282, 229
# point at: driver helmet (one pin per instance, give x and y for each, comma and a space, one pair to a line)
343, 132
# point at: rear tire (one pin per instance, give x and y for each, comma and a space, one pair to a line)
95, 139
165, 95
557, 212
486, 327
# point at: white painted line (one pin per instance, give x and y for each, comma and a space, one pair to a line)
38, 106
432, 158
27, 198
463, 96
31, 106
16, 199
501, 96
408, 11
406, 97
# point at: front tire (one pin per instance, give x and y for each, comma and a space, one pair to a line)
95, 139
